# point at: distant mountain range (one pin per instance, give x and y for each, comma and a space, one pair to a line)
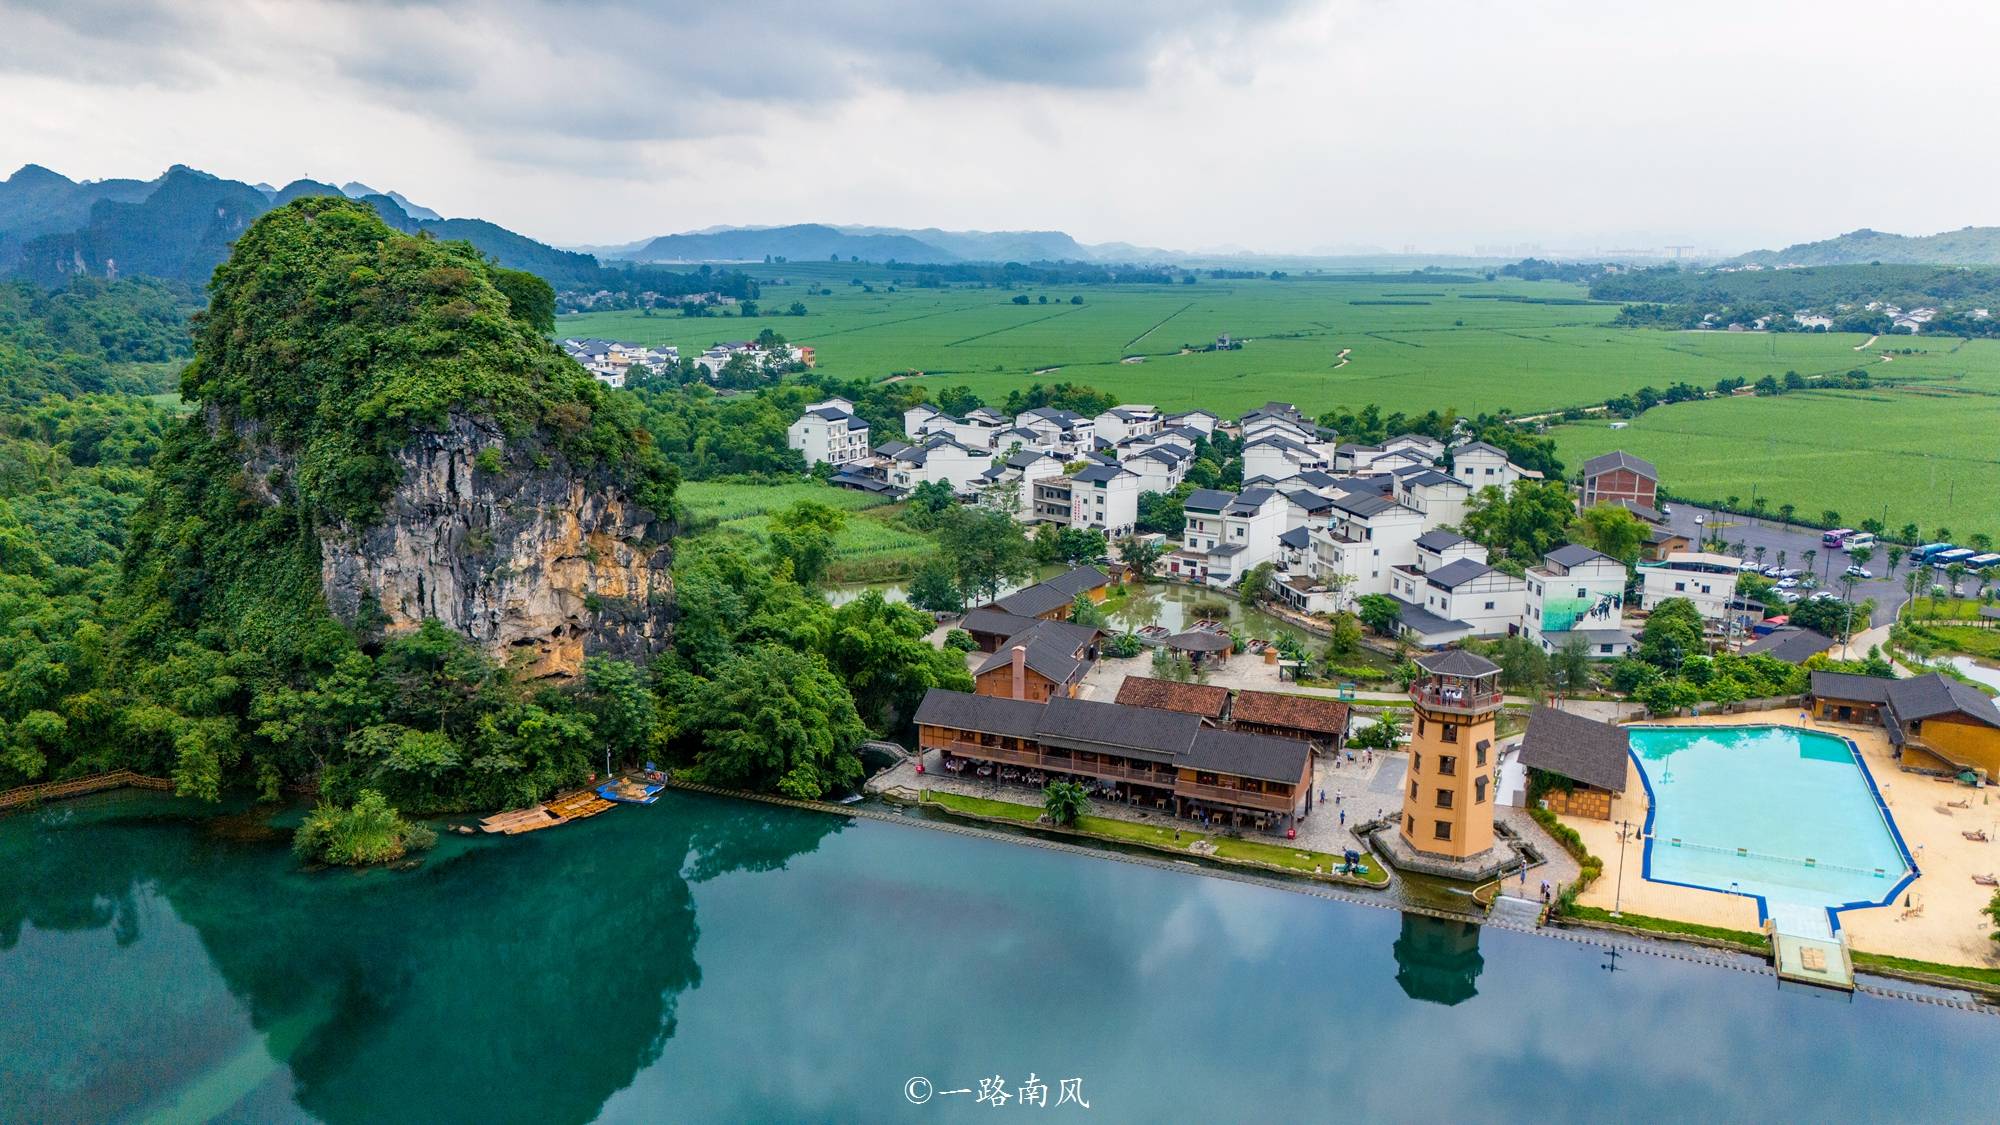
802, 242
180, 226
1968, 246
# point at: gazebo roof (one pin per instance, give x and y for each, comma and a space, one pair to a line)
1456, 662
1198, 640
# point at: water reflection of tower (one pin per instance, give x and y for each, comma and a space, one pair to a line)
1437, 959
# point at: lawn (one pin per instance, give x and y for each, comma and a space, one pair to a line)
1165, 838
871, 546
1918, 447
1669, 926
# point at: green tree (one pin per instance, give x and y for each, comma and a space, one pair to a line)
935, 588
1142, 555
803, 535
1160, 512
1613, 530
1256, 582
1380, 613
1569, 667
881, 652
986, 549
1065, 802
369, 832
1344, 636
621, 709
1672, 633
1087, 613
1525, 523
531, 300
775, 720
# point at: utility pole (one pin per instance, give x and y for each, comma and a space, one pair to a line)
1618, 893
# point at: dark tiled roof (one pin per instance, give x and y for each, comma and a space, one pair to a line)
1198, 640
1249, 755
1931, 695
1569, 555
1365, 505
1298, 537
1098, 474
1456, 662
1577, 748
987, 619
1790, 644
1425, 623
1439, 540
1457, 573
1208, 500
1299, 712
1079, 580
1479, 447
943, 708
1053, 650
1619, 459
1847, 685
1148, 730
1249, 500
1167, 695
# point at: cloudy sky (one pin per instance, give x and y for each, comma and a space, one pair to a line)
1271, 125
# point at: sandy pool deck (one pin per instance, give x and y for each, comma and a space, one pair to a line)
1946, 921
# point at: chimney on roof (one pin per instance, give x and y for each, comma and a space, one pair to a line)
1020, 662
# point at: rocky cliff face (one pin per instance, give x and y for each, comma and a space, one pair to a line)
537, 562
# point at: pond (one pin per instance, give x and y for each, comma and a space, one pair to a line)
1973, 668
706, 959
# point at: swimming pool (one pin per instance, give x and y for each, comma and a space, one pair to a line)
1788, 816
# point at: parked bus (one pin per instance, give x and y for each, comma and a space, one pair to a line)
1981, 562
1929, 551
1955, 555
1857, 540
1836, 537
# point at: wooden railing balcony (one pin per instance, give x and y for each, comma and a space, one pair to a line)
1242, 798
1163, 779
1463, 701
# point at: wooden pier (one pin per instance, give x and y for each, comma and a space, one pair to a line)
557, 810
80, 786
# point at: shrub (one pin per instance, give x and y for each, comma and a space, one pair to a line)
1123, 644
1065, 802
960, 640
369, 831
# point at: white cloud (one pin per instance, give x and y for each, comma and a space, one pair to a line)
1276, 126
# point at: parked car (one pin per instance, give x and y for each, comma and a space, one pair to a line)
1747, 565
1787, 583
1859, 572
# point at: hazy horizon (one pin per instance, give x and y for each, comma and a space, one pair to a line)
1266, 126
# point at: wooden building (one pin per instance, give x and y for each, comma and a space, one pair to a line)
1589, 759
1210, 702
1050, 600
1046, 660
1166, 760
1933, 722
1322, 722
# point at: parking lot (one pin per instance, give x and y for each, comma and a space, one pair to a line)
1698, 523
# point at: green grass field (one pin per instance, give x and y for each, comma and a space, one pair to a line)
869, 547
1918, 447
1525, 346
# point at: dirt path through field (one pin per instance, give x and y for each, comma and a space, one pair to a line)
1869, 342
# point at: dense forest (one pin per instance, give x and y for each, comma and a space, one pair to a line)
160, 606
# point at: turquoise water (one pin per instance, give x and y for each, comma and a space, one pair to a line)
708, 960
1794, 801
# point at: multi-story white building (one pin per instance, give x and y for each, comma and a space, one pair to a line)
940, 459
1102, 497
1009, 486
1202, 420
1707, 580
1122, 422
1227, 534
1481, 465
829, 431
1065, 433
1161, 468
1281, 458
1367, 536
1463, 598
1578, 594
1440, 497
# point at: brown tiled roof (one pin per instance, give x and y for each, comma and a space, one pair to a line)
1299, 712
1194, 699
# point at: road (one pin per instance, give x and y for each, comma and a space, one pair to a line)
1773, 536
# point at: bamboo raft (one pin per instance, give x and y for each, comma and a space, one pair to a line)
79, 786
560, 810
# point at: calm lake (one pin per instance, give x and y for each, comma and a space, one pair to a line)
705, 959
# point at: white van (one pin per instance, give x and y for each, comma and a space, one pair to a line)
1858, 539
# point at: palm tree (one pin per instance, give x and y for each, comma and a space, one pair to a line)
1759, 549
1907, 535
1979, 541
1785, 511
1806, 557
1955, 572
1894, 556
1943, 534
1732, 501
1830, 518
1987, 575
1759, 503
1859, 556
1781, 558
